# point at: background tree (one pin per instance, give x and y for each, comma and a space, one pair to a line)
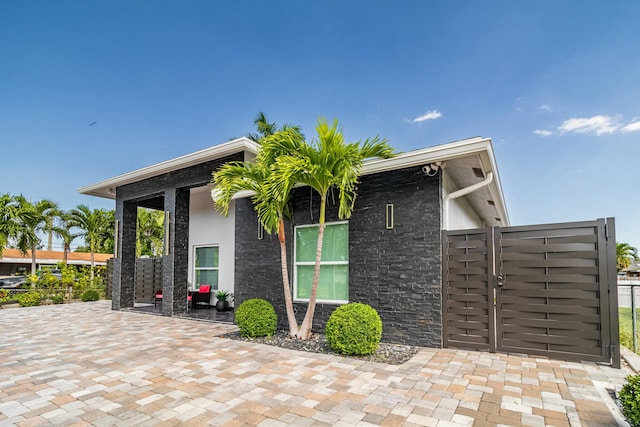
149, 232
31, 219
95, 227
626, 255
326, 163
8, 214
263, 127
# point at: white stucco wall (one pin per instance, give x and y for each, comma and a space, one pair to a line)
207, 227
461, 214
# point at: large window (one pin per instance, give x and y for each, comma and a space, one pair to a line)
334, 267
206, 265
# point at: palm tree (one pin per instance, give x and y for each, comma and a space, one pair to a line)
8, 213
271, 207
328, 162
150, 232
263, 127
92, 225
625, 255
31, 219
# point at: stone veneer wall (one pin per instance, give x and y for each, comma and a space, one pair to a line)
397, 271
172, 189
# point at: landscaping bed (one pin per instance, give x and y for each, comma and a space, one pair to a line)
392, 354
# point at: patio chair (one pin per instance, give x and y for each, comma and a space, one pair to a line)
201, 296
157, 297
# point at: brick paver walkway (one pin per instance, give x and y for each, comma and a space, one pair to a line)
83, 364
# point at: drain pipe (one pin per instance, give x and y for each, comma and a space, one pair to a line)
462, 192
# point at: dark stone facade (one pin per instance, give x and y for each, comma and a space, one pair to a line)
169, 192
396, 271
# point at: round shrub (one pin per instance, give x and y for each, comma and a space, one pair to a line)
57, 299
29, 299
256, 318
630, 400
90, 295
354, 329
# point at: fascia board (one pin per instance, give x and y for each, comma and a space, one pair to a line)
427, 155
106, 188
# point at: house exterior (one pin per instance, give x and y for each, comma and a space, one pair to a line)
388, 254
14, 262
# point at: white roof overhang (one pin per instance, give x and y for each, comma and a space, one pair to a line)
107, 188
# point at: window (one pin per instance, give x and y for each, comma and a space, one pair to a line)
334, 266
206, 265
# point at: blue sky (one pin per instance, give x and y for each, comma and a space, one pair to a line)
90, 90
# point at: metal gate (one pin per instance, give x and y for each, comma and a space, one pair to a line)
542, 289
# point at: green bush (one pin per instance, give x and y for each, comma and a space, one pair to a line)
29, 299
256, 318
57, 299
354, 329
90, 295
5, 295
630, 399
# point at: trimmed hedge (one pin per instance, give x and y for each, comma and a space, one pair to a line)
90, 295
256, 318
354, 329
630, 399
29, 299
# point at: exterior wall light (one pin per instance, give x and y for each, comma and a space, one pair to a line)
389, 216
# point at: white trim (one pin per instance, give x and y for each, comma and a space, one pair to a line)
308, 263
195, 286
107, 187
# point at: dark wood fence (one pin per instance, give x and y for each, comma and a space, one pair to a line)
148, 278
542, 289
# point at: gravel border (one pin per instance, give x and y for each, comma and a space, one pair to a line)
392, 354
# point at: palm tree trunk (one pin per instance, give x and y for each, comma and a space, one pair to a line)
33, 263
307, 323
288, 301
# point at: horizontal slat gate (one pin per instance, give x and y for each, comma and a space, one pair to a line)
554, 298
542, 289
468, 311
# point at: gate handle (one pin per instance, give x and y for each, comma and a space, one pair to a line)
500, 279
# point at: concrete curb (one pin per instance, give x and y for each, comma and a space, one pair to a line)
632, 359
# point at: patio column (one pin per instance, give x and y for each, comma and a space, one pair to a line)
176, 258
124, 263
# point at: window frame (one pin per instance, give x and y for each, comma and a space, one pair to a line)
301, 263
195, 286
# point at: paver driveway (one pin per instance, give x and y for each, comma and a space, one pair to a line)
83, 364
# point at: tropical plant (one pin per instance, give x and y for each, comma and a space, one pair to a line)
90, 295
30, 299
272, 207
263, 127
256, 318
327, 163
223, 295
149, 232
630, 399
32, 218
8, 213
96, 227
625, 255
354, 329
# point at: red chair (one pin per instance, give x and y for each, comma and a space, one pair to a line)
201, 296
157, 297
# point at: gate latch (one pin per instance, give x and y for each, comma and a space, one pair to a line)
500, 280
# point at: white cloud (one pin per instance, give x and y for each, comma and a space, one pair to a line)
429, 115
599, 125
542, 132
631, 127
545, 107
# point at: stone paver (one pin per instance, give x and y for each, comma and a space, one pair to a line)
86, 365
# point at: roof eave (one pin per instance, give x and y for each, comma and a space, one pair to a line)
107, 187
